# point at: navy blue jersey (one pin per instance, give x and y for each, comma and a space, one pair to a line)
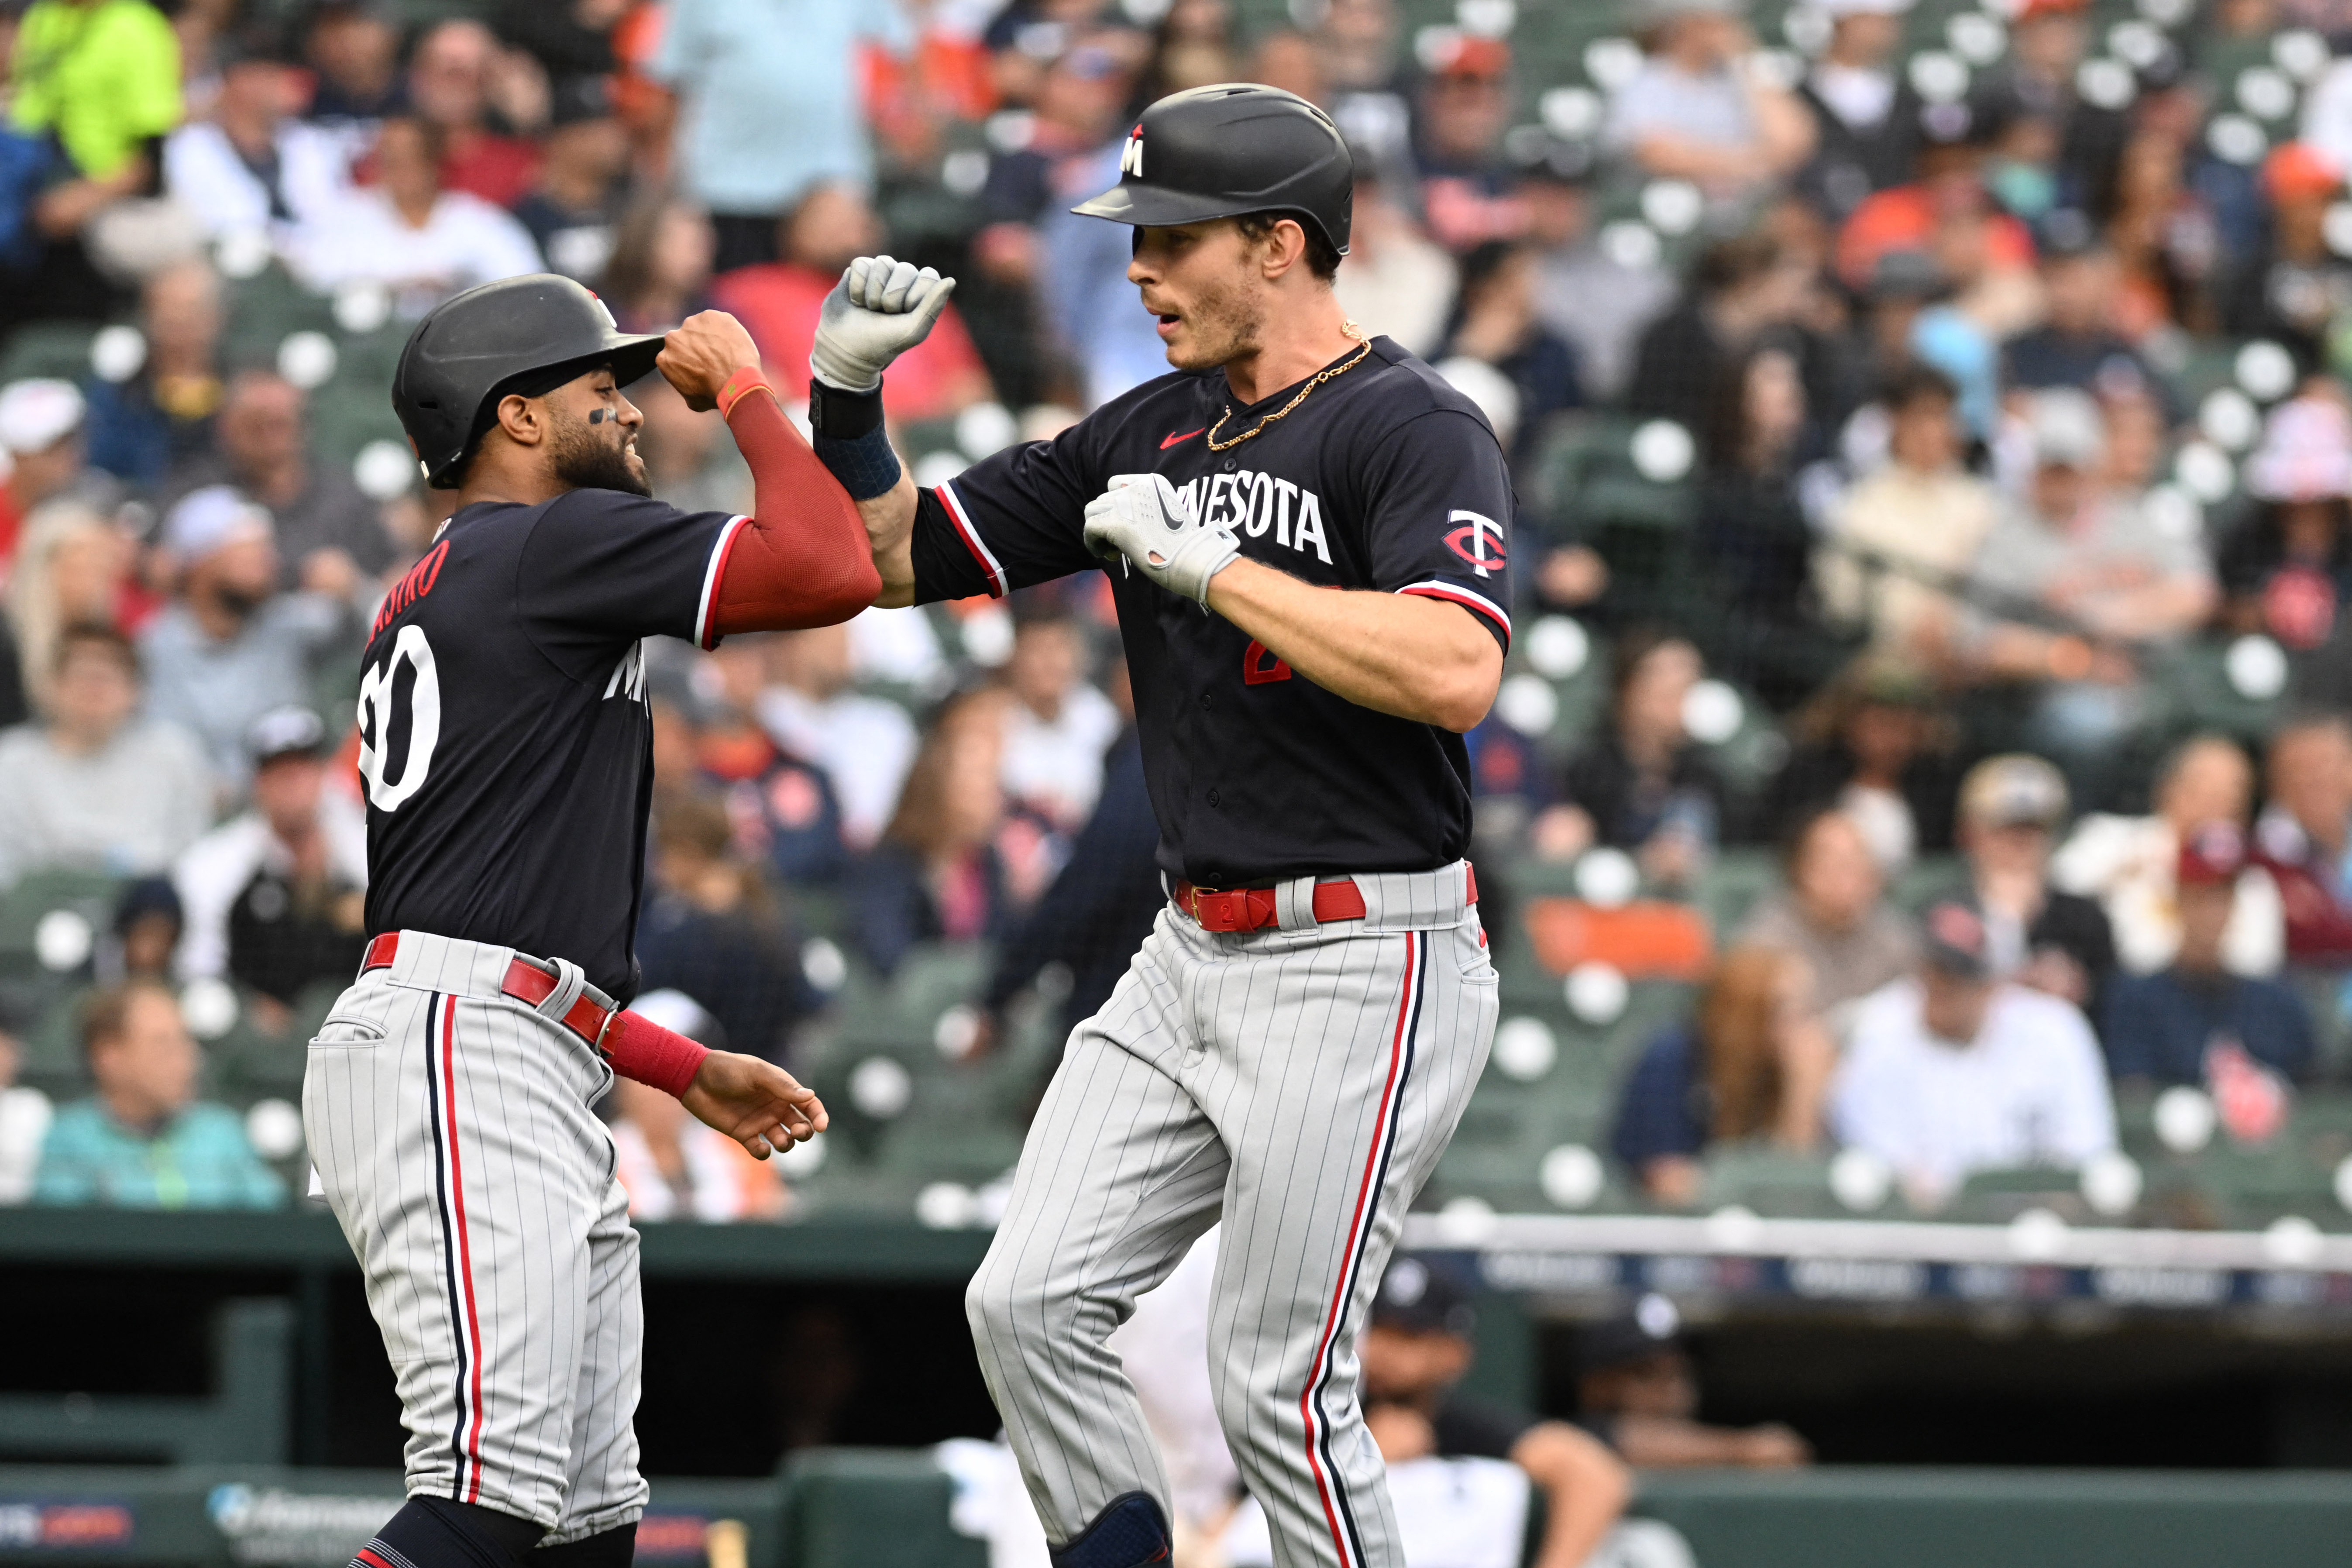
1385, 478
506, 740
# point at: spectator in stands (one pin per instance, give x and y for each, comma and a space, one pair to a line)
2077, 344
330, 536
73, 568
41, 431
937, 875
1874, 745
148, 923
769, 107
660, 270
249, 166
229, 647
163, 414
1752, 534
2036, 83
1642, 784
864, 744
95, 787
783, 809
1397, 280
99, 82
2304, 836
145, 1140
1466, 186
1740, 290
1753, 1061
1952, 1070
1866, 116
353, 46
1637, 1390
711, 930
573, 207
1496, 324
2194, 1022
2059, 942
778, 302
408, 234
1417, 1348
1833, 913
1695, 113
1058, 724
273, 896
461, 82
1944, 210
1590, 297
2286, 289
2098, 568
2128, 863
672, 1166
2286, 570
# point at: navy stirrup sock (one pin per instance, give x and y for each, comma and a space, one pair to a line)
1129, 1533
434, 1533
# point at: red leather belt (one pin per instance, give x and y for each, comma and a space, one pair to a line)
1252, 909
525, 982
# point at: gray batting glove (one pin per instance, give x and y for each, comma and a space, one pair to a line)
879, 311
1149, 521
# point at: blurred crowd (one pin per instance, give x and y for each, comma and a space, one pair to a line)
1930, 427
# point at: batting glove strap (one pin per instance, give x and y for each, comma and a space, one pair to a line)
1149, 522
879, 309
642, 1050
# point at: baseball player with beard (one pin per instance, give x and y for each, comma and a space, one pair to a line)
1306, 531
506, 751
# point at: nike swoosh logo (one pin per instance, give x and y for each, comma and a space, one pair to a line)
1172, 440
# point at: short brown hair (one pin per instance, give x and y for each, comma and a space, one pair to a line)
1322, 259
106, 1012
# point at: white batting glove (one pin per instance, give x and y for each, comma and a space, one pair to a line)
879, 311
1150, 523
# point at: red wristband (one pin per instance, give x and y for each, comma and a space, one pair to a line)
640, 1050
743, 381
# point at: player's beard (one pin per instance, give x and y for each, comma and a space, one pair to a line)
1225, 323
587, 460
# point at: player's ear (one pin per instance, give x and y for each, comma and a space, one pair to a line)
522, 419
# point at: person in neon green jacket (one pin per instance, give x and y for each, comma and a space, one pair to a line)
102, 78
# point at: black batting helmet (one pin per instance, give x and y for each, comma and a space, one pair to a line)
527, 335
1230, 149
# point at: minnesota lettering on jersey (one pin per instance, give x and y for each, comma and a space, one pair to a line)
1249, 502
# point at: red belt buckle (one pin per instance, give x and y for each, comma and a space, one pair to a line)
1231, 911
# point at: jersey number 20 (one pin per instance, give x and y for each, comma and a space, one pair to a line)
394, 710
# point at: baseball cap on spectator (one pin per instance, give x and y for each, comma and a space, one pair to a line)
2066, 232
2068, 432
1418, 1299
2306, 454
37, 414
1834, 10
2297, 170
1909, 275
2034, 10
1655, 1324
1469, 55
574, 100
1954, 940
290, 731
212, 519
1643, 15
2212, 857
2013, 791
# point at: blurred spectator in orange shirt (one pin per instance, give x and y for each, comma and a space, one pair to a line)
457, 77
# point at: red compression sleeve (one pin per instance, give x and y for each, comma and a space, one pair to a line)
642, 1049
801, 559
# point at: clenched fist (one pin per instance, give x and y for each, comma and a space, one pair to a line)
698, 357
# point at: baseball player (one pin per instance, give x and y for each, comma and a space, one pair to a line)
1307, 531
506, 750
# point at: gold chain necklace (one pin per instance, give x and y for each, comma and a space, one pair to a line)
1321, 376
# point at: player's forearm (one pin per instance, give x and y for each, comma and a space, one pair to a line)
801, 558
890, 520
1586, 1488
1414, 657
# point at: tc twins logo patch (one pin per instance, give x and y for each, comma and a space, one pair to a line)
1130, 157
1478, 540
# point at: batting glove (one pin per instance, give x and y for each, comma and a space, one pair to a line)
1150, 523
879, 311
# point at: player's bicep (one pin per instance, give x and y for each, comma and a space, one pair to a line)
1006, 522
1440, 510
603, 567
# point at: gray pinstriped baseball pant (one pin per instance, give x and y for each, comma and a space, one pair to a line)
453, 1131
1299, 1082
